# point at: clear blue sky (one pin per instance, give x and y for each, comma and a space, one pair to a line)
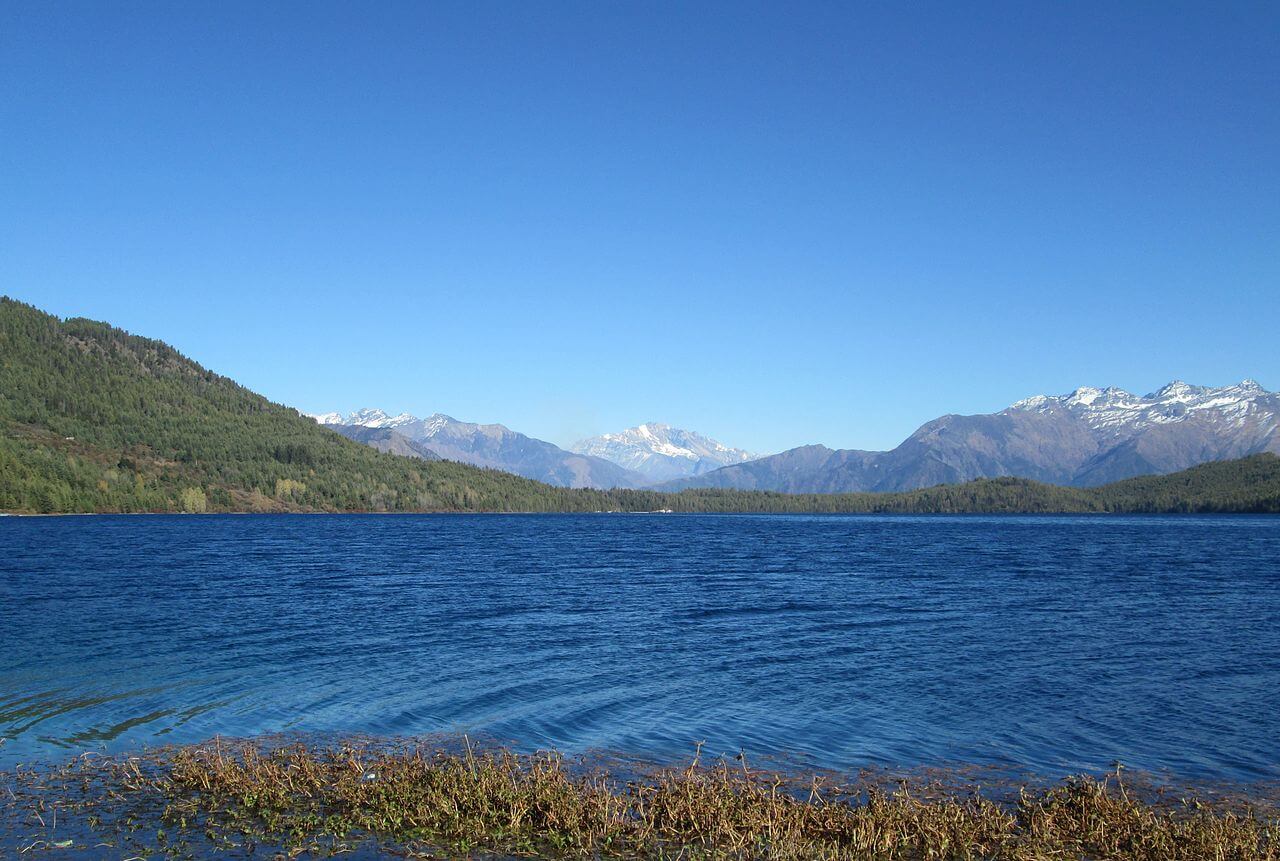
777, 223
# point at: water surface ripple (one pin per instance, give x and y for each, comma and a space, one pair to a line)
1054, 644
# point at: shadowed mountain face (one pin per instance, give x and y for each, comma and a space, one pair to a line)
494, 446
1086, 438
386, 440
808, 469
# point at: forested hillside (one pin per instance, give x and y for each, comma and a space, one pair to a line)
95, 419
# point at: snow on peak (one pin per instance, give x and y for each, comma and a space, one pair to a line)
418, 429
1088, 396
1179, 392
368, 417
661, 452
1031, 403
1115, 410
1084, 395
436, 422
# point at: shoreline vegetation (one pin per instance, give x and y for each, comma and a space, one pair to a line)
363, 798
95, 420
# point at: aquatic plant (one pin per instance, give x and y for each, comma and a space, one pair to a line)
425, 800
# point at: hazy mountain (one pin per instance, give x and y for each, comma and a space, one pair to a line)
387, 440
660, 452
1085, 438
493, 446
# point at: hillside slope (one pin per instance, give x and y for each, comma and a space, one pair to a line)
95, 419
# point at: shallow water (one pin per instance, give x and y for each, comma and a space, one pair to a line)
1048, 644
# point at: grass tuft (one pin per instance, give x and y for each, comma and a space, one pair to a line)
426, 800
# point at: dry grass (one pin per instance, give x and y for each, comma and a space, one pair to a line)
297, 798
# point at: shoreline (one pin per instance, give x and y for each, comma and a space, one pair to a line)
780, 513
424, 798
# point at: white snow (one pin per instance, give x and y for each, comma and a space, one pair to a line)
661, 451
369, 417
1117, 411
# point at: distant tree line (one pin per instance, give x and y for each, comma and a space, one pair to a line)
93, 419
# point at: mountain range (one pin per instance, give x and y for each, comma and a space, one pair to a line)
95, 419
1085, 438
489, 445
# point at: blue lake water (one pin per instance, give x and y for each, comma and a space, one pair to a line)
1050, 644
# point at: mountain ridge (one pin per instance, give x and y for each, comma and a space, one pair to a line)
493, 446
1084, 438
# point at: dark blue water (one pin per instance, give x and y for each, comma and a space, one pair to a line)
1054, 644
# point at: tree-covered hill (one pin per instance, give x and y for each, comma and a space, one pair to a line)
1250, 484
95, 419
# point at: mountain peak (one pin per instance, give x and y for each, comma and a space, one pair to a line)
1175, 390
1089, 396
1115, 411
662, 452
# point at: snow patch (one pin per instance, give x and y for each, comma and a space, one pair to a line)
661, 451
1118, 412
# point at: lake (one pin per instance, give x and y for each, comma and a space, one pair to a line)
1050, 644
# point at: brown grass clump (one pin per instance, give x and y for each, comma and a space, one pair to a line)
423, 801
535, 804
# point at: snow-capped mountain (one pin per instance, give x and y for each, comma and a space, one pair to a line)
1115, 411
1176, 427
494, 446
661, 452
326, 418
1087, 437
366, 418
